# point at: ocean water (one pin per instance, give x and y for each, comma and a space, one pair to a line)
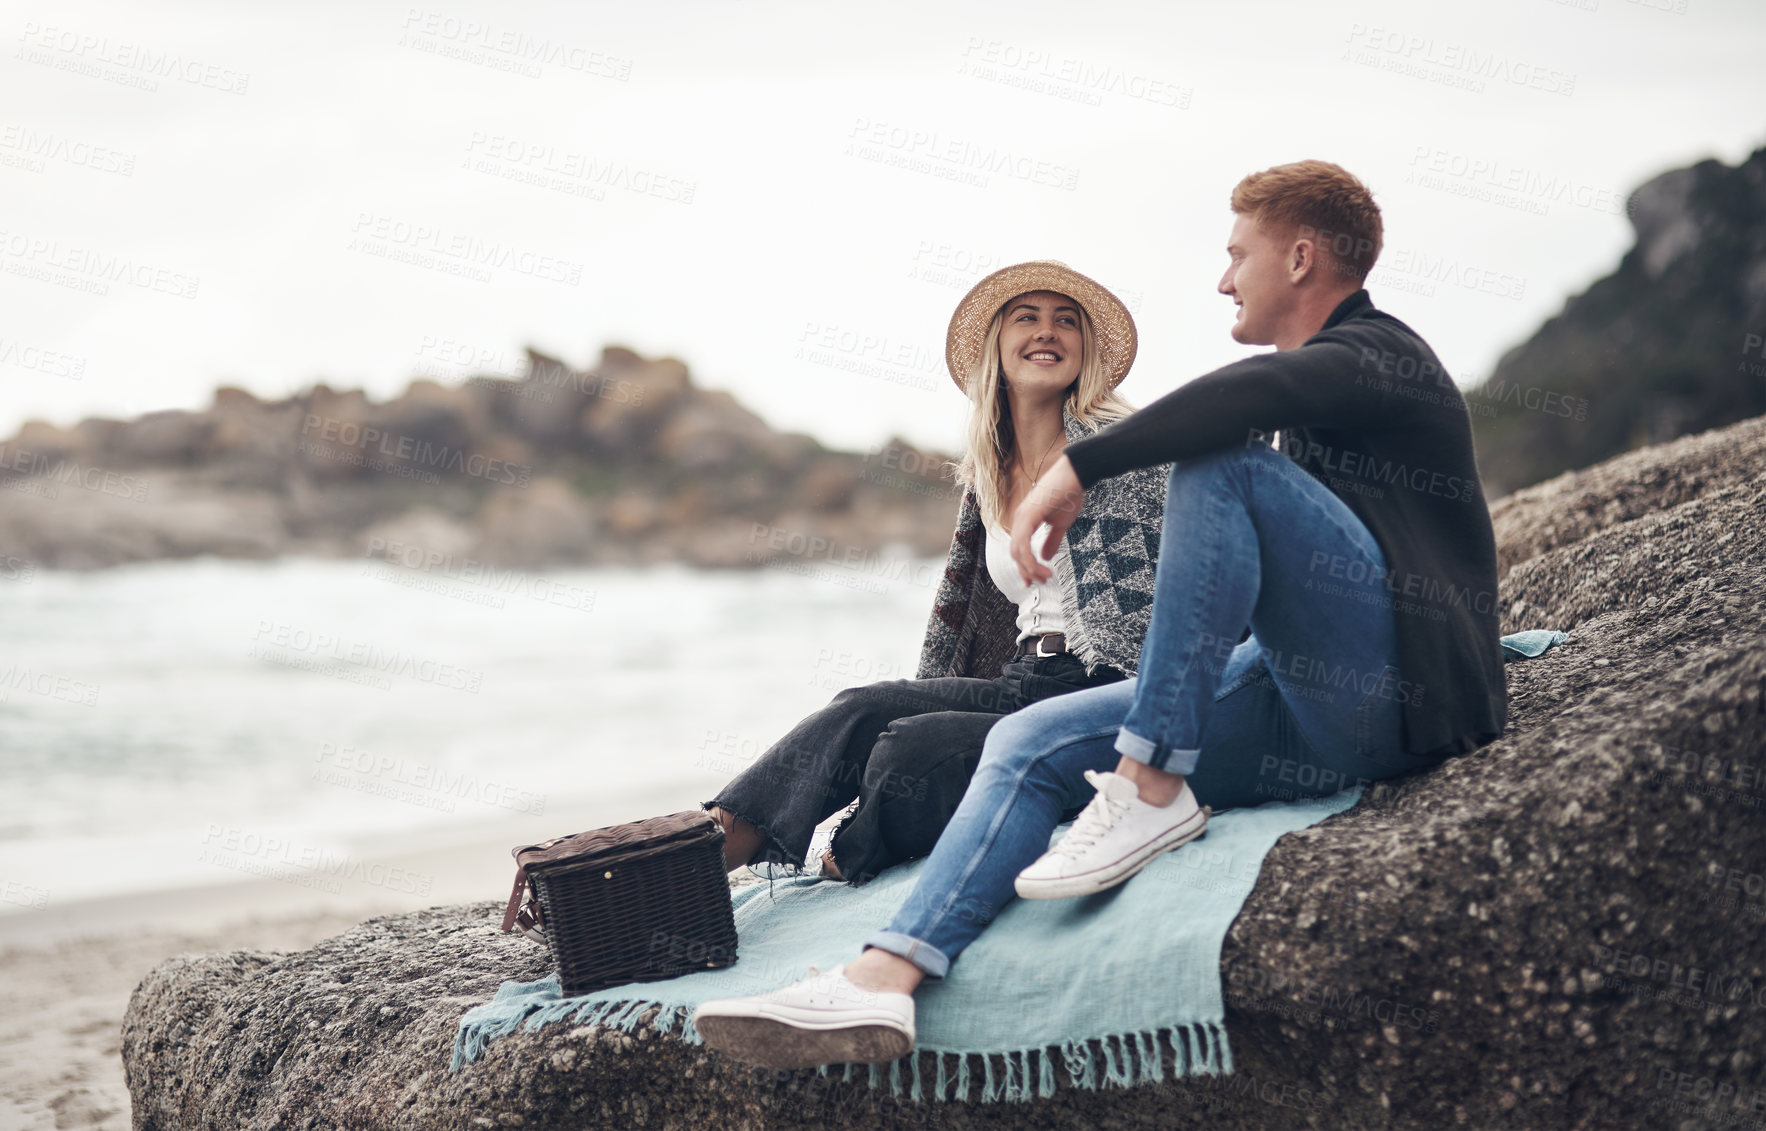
185, 723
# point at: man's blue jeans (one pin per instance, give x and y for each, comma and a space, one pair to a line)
1309, 704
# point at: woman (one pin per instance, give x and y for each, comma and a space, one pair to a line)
1038, 348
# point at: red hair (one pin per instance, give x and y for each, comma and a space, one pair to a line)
1318, 201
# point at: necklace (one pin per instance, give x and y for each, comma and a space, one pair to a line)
1045, 455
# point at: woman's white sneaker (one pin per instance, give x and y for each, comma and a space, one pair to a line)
823, 1019
1114, 837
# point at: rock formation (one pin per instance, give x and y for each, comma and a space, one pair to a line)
627, 463
1672, 342
1562, 929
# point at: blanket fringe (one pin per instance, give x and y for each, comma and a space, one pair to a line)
1119, 1059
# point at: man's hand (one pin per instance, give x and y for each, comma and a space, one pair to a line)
1056, 500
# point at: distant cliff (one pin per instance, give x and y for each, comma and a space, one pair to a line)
1672, 342
629, 462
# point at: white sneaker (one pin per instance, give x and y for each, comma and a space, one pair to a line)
823, 1019
1114, 837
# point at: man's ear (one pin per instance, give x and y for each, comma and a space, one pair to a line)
1302, 259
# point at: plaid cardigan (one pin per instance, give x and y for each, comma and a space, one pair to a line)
1106, 581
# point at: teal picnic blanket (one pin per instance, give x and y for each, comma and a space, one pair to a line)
1531, 644
1094, 981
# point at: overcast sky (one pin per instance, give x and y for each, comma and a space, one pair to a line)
790, 197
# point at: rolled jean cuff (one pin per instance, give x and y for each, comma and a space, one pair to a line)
931, 961
1146, 752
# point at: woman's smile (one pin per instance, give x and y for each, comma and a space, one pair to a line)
1041, 336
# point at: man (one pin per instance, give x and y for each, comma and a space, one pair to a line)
1359, 556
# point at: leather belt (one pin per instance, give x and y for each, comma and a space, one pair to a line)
1050, 644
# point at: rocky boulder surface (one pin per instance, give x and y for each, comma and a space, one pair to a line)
1563, 929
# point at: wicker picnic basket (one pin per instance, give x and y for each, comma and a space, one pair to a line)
637, 902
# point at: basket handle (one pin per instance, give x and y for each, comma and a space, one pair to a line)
514, 899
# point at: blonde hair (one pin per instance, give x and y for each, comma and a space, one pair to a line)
984, 466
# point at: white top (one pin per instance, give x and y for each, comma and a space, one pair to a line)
1039, 605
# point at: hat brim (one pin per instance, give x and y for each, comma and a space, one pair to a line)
1112, 324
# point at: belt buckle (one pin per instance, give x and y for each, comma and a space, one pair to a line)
1039, 652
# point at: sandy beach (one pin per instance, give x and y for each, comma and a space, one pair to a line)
61, 1014
67, 970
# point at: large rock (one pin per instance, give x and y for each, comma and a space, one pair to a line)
1671, 342
1560, 930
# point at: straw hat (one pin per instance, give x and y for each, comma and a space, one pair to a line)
1113, 324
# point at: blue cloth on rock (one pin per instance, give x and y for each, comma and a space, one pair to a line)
1092, 982
1531, 643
